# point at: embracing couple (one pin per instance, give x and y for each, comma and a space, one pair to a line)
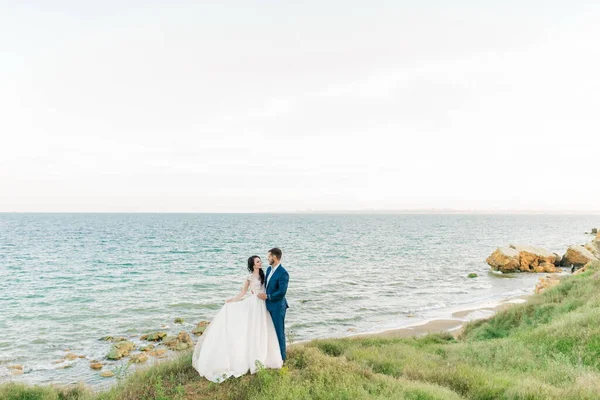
248, 333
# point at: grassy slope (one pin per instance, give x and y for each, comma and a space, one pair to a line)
547, 348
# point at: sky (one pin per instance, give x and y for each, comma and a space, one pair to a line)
271, 106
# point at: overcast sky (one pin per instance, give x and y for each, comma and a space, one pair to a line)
242, 106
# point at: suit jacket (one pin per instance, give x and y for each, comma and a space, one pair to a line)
277, 288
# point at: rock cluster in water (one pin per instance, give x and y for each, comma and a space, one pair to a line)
516, 258
123, 348
520, 258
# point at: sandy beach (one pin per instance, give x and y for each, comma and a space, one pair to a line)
454, 324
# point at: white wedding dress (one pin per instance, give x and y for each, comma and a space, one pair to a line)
240, 334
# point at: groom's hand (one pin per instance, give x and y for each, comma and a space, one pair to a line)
262, 296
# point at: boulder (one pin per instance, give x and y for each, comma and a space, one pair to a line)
594, 231
547, 282
594, 248
545, 267
139, 358
581, 270
70, 356
158, 352
504, 259
550, 268
16, 369
179, 320
577, 256
530, 258
558, 259
113, 339
180, 342
96, 365
200, 328
154, 337
120, 350
597, 236
107, 374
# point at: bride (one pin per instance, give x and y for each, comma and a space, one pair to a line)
241, 334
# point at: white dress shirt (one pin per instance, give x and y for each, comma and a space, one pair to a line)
271, 274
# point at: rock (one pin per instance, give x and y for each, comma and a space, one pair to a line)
16, 371
120, 350
113, 339
71, 356
154, 337
150, 347
558, 259
545, 283
107, 374
548, 267
180, 342
472, 275
594, 231
538, 268
577, 256
582, 269
504, 259
597, 236
186, 339
200, 328
522, 258
530, 257
96, 365
158, 352
65, 366
139, 358
594, 248
178, 321
18, 367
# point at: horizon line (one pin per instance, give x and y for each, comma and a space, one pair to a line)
355, 211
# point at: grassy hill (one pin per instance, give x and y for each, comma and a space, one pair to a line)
546, 348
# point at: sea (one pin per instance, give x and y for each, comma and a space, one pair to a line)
67, 280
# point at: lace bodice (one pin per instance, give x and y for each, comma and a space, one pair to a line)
255, 286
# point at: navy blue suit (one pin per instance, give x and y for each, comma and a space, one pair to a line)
277, 305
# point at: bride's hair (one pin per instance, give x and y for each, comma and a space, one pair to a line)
251, 268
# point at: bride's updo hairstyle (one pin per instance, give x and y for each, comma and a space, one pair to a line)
251, 268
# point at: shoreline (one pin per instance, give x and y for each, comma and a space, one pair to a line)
449, 319
452, 324
453, 320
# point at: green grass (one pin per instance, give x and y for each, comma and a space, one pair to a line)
546, 348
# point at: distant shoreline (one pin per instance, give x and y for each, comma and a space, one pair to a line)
324, 212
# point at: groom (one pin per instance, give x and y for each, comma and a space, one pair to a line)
276, 285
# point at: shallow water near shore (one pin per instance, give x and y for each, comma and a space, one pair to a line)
68, 279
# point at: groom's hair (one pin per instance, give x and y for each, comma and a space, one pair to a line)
276, 252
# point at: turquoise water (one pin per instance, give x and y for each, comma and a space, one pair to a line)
68, 279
